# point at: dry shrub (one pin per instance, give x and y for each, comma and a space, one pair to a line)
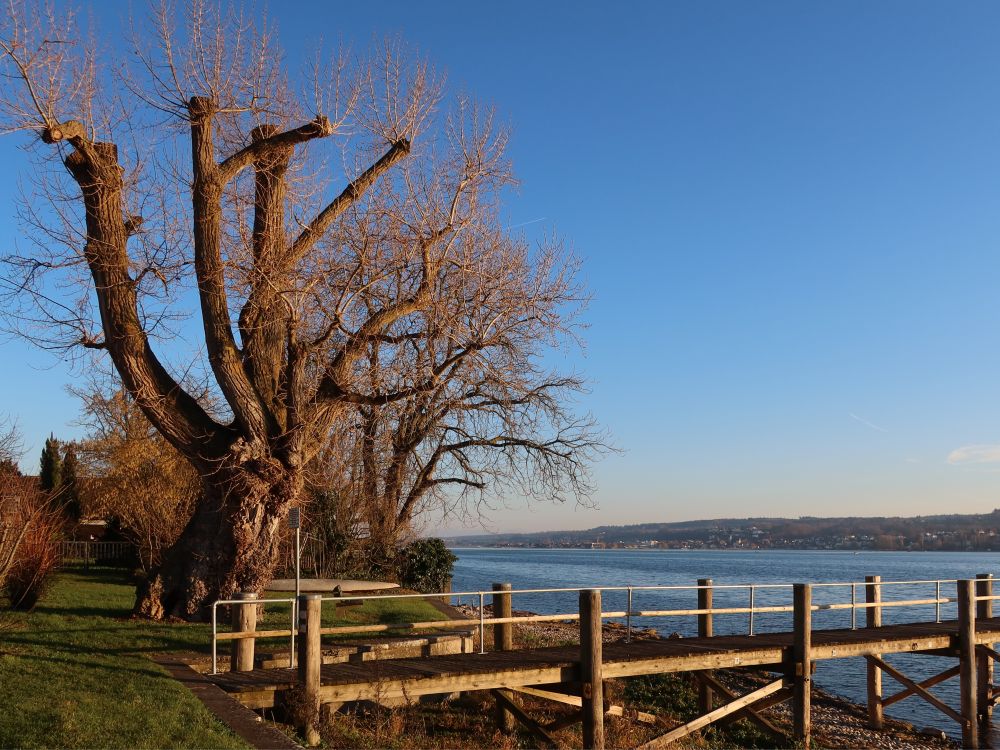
132, 473
30, 555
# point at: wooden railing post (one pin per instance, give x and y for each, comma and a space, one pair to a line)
984, 668
967, 662
705, 697
591, 669
244, 621
503, 640
310, 662
873, 619
802, 659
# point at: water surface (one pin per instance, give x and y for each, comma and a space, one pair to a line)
478, 568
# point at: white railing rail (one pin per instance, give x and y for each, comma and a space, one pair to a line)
752, 589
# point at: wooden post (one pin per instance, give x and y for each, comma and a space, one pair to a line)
503, 640
873, 619
244, 621
591, 669
984, 668
802, 659
705, 697
967, 662
310, 662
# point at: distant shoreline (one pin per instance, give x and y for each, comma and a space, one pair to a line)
938, 533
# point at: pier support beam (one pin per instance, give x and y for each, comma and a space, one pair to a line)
310, 662
802, 659
706, 700
984, 669
591, 669
503, 640
873, 619
244, 621
967, 662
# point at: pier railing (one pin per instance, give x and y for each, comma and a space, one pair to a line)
864, 596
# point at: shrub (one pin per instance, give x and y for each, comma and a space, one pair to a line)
426, 565
36, 558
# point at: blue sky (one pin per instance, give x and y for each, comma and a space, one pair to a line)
789, 215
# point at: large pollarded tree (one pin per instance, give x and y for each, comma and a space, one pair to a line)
320, 221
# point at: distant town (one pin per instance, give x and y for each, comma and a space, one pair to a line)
976, 532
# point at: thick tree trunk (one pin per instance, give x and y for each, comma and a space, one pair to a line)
229, 545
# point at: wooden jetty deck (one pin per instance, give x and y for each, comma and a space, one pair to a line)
568, 674
431, 675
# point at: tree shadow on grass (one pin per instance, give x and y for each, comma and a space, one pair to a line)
106, 612
139, 642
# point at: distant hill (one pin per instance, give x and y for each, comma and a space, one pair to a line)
938, 532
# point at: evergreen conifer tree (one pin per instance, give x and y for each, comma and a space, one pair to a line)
68, 484
50, 469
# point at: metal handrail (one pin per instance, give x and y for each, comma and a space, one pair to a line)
854, 605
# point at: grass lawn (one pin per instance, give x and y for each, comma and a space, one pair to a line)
74, 672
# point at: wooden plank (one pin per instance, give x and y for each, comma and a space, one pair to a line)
969, 694
873, 619
576, 700
252, 634
310, 663
703, 721
984, 665
503, 640
591, 669
929, 682
802, 659
917, 689
748, 712
526, 721
706, 700
244, 621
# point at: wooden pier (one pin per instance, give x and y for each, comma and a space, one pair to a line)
574, 675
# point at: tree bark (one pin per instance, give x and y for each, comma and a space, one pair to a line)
229, 545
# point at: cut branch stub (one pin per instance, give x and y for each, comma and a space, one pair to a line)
63, 131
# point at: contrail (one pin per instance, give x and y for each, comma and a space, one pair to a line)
866, 422
525, 223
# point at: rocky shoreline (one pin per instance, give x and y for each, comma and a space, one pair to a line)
837, 722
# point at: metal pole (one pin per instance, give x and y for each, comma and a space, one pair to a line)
628, 617
215, 660
482, 626
752, 592
295, 612
854, 606
298, 592
298, 561
937, 604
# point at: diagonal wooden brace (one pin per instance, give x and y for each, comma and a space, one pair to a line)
712, 716
916, 689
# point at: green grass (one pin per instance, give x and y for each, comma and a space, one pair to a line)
74, 672
377, 611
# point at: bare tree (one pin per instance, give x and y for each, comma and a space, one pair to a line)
489, 426
298, 268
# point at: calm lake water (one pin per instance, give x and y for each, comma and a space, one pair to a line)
477, 569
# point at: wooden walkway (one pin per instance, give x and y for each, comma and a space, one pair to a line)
414, 677
574, 675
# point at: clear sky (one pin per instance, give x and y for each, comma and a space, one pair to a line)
789, 215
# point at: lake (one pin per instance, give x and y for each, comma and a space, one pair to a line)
477, 568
